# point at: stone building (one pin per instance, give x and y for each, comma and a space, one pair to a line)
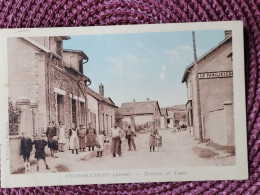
47, 83
141, 114
107, 111
215, 75
101, 110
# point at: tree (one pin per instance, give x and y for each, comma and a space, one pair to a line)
14, 117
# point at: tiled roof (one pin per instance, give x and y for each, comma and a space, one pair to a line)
179, 115
107, 100
130, 108
80, 52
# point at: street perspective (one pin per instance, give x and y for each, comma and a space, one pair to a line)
126, 101
73, 126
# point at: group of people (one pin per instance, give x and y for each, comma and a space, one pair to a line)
26, 149
80, 139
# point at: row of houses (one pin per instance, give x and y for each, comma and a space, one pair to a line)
141, 114
46, 82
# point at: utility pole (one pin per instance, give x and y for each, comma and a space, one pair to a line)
197, 87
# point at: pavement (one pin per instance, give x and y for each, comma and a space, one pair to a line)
178, 150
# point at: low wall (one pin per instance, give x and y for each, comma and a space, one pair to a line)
221, 125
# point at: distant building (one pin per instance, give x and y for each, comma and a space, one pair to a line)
176, 115
215, 76
141, 114
102, 110
163, 118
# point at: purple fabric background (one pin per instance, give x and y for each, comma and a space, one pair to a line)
61, 13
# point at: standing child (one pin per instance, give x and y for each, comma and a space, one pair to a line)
159, 142
25, 150
100, 143
62, 137
40, 144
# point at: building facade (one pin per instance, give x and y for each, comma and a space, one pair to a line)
141, 114
107, 112
101, 110
45, 85
176, 115
215, 77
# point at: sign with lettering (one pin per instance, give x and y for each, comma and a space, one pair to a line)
211, 75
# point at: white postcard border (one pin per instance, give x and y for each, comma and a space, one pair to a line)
238, 171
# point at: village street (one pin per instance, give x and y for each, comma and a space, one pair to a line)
179, 150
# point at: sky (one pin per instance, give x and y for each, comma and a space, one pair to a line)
142, 65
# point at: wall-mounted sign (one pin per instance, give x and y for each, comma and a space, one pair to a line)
211, 75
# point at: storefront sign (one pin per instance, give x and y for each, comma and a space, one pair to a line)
211, 75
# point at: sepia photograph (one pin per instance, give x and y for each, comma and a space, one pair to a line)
121, 104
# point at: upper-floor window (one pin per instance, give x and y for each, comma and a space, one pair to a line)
81, 66
59, 48
57, 62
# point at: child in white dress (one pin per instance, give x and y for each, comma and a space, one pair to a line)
100, 143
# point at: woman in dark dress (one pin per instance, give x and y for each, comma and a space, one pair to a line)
52, 143
40, 144
25, 150
82, 135
91, 137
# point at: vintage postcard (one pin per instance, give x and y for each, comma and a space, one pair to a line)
123, 104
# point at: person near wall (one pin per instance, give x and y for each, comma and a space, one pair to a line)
91, 137
130, 134
82, 135
74, 139
62, 137
25, 150
152, 138
116, 134
100, 143
40, 144
50, 133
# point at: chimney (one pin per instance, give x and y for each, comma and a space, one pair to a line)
228, 33
147, 99
101, 90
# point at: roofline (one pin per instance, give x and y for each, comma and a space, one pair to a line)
41, 47
203, 56
85, 57
100, 98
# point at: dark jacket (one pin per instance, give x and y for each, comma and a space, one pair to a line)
26, 146
51, 132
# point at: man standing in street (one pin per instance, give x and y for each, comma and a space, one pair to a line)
130, 133
116, 134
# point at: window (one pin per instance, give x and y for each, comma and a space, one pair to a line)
93, 119
82, 113
59, 48
60, 108
74, 111
57, 62
81, 66
107, 123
